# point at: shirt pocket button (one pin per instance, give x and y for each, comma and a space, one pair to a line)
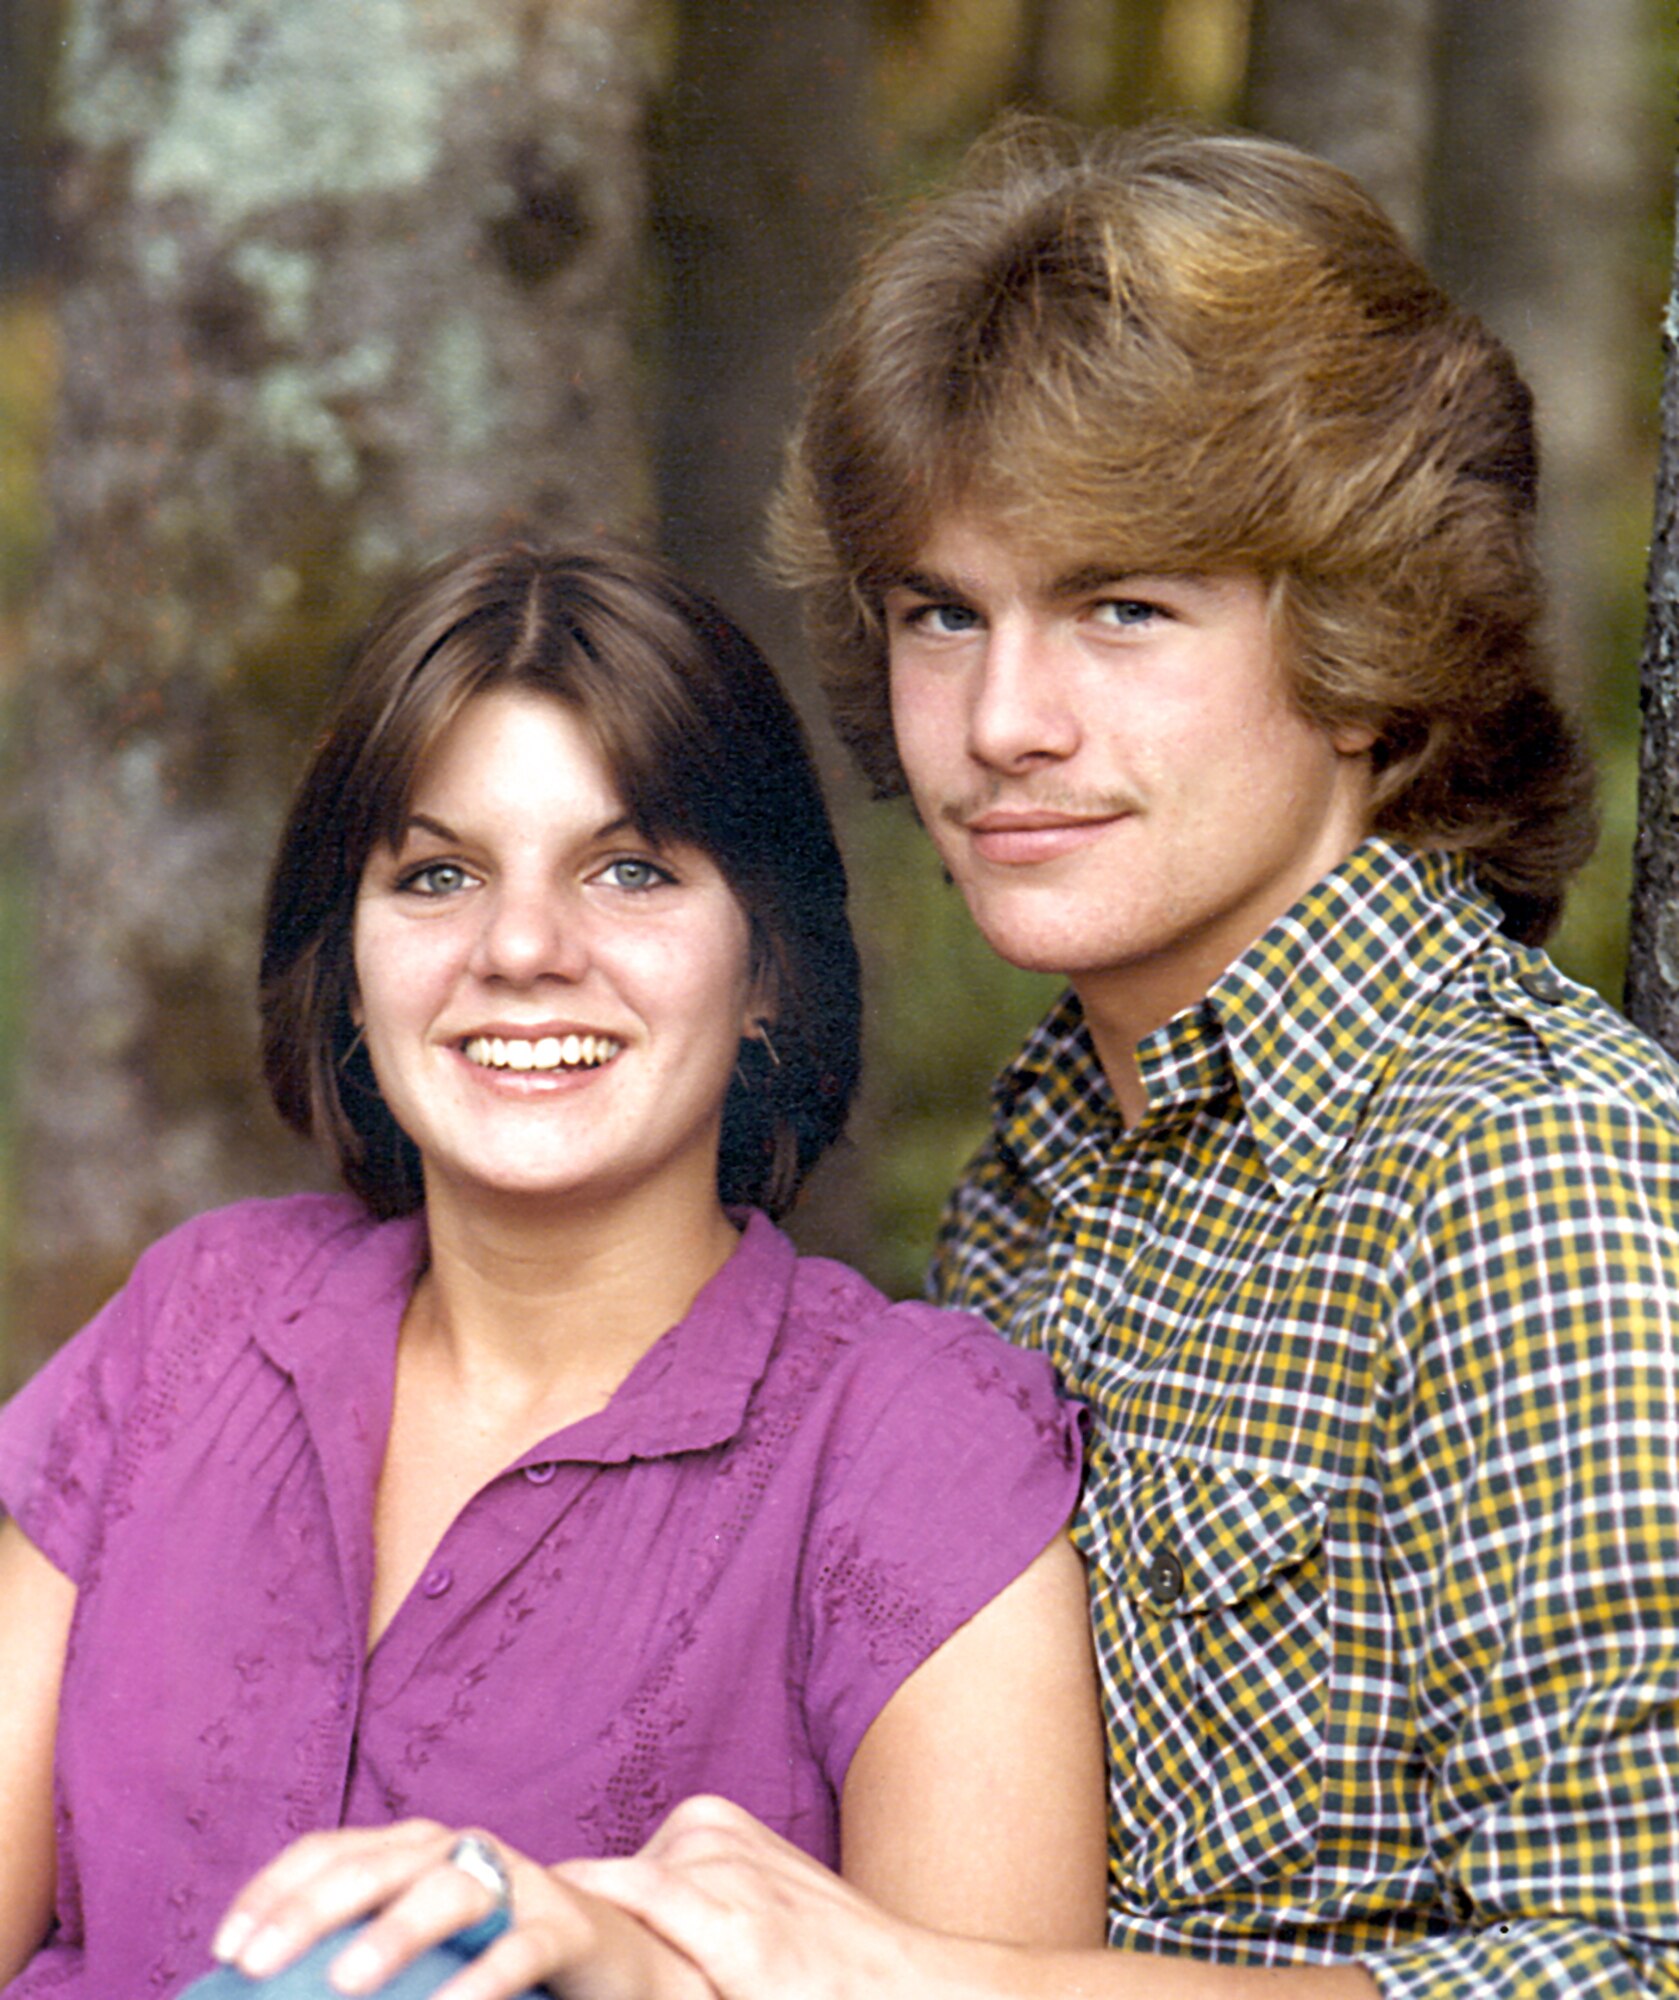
1165, 1578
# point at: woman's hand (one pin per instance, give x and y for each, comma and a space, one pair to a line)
765, 1920
401, 1880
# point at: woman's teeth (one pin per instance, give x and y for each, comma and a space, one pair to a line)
551, 1052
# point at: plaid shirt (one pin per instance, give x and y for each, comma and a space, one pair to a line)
1376, 1317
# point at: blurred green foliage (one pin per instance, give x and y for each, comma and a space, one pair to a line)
28, 377
948, 1011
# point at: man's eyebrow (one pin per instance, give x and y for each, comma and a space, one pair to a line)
927, 583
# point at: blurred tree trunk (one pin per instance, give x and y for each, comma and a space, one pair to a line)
1352, 80
28, 32
762, 171
347, 282
1537, 173
1090, 59
1652, 985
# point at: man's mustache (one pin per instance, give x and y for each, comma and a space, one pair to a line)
1051, 802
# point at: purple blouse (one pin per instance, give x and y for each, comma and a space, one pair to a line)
714, 1584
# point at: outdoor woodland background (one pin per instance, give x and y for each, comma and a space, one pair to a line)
294, 293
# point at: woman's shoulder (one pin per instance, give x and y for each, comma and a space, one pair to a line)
230, 1265
278, 1234
279, 1222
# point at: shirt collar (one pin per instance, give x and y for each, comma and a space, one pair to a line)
688, 1392
692, 1388
1314, 1011
1301, 1025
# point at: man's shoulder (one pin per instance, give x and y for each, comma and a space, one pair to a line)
1510, 1047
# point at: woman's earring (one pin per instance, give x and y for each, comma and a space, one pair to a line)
348, 1056
761, 1039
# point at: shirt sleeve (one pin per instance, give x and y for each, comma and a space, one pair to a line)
1533, 1493
953, 1465
60, 1433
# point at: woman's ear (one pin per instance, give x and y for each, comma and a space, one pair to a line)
763, 999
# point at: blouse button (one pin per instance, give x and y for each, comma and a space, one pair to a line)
539, 1475
437, 1581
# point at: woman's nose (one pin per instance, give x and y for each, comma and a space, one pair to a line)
531, 933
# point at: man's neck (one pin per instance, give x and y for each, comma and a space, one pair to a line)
1117, 1053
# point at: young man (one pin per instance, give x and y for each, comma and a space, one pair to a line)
1169, 534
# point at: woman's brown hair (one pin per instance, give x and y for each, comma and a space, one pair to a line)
1168, 349
705, 750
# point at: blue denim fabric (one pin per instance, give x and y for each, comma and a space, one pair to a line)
306, 1978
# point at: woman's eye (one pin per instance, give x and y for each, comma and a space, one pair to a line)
632, 871
436, 878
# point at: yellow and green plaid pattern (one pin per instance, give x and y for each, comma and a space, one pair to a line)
1376, 1314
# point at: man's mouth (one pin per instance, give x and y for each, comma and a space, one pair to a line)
1016, 838
547, 1052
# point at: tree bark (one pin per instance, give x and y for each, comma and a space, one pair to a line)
348, 282
1652, 986
1352, 80
1538, 166
763, 169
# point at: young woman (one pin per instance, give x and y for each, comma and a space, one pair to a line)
537, 1482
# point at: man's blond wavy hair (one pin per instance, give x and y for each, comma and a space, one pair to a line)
1168, 349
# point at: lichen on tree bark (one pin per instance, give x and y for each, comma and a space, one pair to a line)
349, 281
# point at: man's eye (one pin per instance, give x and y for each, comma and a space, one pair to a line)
436, 878
634, 872
941, 619
1126, 611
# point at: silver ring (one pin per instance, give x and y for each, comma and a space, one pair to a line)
473, 1855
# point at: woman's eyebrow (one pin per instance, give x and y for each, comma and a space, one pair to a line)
441, 830
424, 823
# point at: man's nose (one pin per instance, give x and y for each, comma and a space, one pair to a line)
1021, 712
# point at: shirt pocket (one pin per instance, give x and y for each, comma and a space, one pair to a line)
1212, 1623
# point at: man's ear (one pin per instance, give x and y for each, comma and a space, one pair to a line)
1352, 739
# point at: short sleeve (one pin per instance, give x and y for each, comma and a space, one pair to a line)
59, 1433
952, 1464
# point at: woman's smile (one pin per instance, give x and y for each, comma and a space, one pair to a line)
546, 1054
